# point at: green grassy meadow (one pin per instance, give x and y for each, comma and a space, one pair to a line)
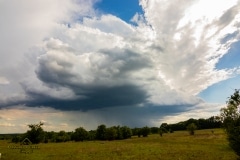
204, 145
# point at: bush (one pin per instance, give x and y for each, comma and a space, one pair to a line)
191, 128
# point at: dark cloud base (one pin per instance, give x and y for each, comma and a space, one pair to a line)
99, 98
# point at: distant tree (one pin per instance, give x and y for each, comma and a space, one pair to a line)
50, 136
145, 131
16, 139
164, 127
139, 133
203, 123
92, 135
126, 132
190, 121
36, 133
180, 125
160, 132
101, 132
154, 130
80, 134
210, 123
9, 136
111, 133
119, 132
191, 128
135, 131
231, 121
62, 136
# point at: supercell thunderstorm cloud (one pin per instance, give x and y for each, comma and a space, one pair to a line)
71, 64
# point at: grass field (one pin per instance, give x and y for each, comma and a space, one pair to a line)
204, 145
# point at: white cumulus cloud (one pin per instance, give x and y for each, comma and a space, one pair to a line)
63, 55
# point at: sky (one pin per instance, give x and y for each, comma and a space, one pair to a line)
82, 63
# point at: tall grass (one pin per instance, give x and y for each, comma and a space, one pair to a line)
204, 145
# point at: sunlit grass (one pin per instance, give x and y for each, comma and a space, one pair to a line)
172, 146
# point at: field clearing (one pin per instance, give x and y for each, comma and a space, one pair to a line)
204, 145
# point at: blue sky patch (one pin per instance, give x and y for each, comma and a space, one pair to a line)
231, 59
124, 9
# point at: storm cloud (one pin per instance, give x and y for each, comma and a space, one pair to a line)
93, 99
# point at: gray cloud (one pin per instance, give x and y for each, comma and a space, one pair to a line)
149, 59
229, 37
94, 98
229, 15
24, 25
62, 66
111, 69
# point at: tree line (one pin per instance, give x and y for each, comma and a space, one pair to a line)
36, 134
209, 123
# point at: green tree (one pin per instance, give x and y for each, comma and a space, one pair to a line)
139, 132
92, 135
50, 136
145, 131
126, 132
80, 134
62, 136
164, 127
135, 131
119, 132
101, 132
191, 128
16, 139
154, 130
36, 133
111, 133
230, 116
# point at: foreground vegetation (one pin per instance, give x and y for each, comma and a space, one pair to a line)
204, 144
231, 121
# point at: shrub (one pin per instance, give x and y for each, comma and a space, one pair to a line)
191, 128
